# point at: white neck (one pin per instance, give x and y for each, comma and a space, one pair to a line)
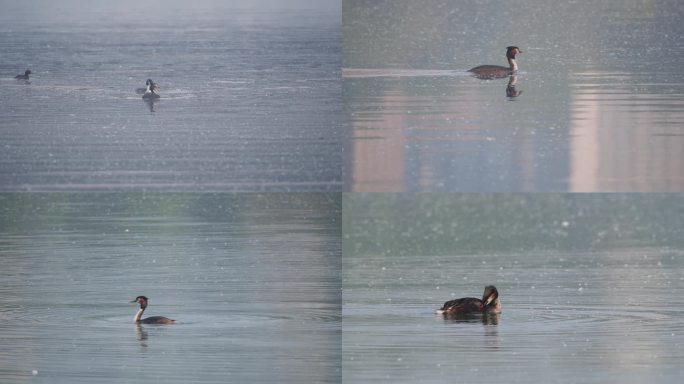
513, 64
512, 80
136, 319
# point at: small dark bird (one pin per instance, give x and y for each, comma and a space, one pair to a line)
25, 76
496, 71
142, 300
489, 304
151, 90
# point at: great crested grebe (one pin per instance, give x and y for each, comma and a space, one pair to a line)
142, 300
497, 71
151, 90
25, 76
468, 306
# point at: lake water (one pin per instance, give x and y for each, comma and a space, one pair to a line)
253, 281
591, 287
597, 105
250, 95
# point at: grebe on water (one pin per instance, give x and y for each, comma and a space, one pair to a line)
149, 320
469, 306
151, 90
497, 71
25, 76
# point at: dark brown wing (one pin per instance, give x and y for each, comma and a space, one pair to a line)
488, 72
464, 305
488, 68
157, 320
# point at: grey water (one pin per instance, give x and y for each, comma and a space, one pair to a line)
591, 288
253, 281
597, 105
250, 95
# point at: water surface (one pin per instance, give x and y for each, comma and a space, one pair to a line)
597, 104
591, 288
250, 96
253, 281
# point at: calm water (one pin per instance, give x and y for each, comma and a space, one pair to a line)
254, 281
598, 103
591, 287
250, 96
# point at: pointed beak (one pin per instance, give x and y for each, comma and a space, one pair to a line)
134, 301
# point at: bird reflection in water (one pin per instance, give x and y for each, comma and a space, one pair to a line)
141, 335
511, 91
484, 318
151, 104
